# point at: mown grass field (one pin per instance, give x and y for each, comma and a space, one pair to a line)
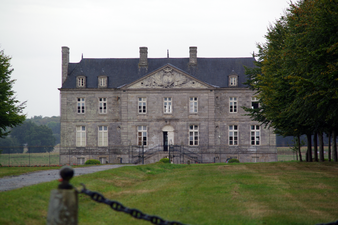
29, 159
262, 193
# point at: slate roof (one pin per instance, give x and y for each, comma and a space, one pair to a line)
120, 72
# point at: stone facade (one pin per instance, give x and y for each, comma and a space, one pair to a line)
166, 108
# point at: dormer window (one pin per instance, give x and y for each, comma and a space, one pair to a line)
102, 81
81, 81
233, 79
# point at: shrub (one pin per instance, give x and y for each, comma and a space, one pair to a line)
165, 160
92, 161
233, 161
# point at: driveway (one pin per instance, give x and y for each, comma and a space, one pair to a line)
14, 182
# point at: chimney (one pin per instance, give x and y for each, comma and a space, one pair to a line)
143, 57
65, 62
193, 56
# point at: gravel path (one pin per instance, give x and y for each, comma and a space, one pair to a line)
14, 182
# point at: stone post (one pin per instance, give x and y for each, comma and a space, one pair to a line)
63, 203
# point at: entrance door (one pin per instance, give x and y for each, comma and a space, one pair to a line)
165, 141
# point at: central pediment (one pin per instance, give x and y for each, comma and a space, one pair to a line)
168, 77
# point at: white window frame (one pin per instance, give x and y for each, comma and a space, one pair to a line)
102, 136
233, 103
233, 135
254, 100
102, 81
142, 135
81, 81
194, 135
193, 105
103, 160
233, 81
80, 161
167, 105
102, 105
81, 105
142, 105
255, 135
80, 136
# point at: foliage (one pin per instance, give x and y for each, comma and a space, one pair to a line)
52, 122
10, 109
165, 160
92, 161
233, 160
297, 69
37, 138
10, 145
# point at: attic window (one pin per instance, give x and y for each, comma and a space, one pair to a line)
81, 81
233, 81
102, 81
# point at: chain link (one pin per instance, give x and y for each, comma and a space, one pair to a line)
137, 214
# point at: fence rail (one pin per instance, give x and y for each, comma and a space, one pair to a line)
133, 154
13, 156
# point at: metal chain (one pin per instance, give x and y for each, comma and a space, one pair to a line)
137, 214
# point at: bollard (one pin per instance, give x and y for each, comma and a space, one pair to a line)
63, 202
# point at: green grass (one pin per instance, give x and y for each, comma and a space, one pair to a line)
29, 159
262, 193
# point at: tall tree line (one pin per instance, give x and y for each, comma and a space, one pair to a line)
296, 78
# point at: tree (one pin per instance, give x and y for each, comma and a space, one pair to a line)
297, 69
10, 109
38, 138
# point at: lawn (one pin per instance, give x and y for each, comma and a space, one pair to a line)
30, 159
261, 193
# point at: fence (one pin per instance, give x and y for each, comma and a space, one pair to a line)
134, 154
11, 157
286, 154
178, 154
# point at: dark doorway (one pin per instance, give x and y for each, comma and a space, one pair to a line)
165, 141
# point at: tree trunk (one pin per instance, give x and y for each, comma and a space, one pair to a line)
334, 146
299, 149
321, 147
315, 146
309, 150
329, 147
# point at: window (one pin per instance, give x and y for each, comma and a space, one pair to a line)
102, 81
142, 135
233, 104
142, 105
167, 103
80, 105
103, 136
193, 135
103, 160
233, 135
233, 81
255, 135
254, 103
102, 105
80, 161
193, 105
81, 81
80, 136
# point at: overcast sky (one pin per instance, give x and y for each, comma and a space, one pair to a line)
33, 31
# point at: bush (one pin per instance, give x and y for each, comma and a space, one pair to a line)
165, 160
92, 161
233, 161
